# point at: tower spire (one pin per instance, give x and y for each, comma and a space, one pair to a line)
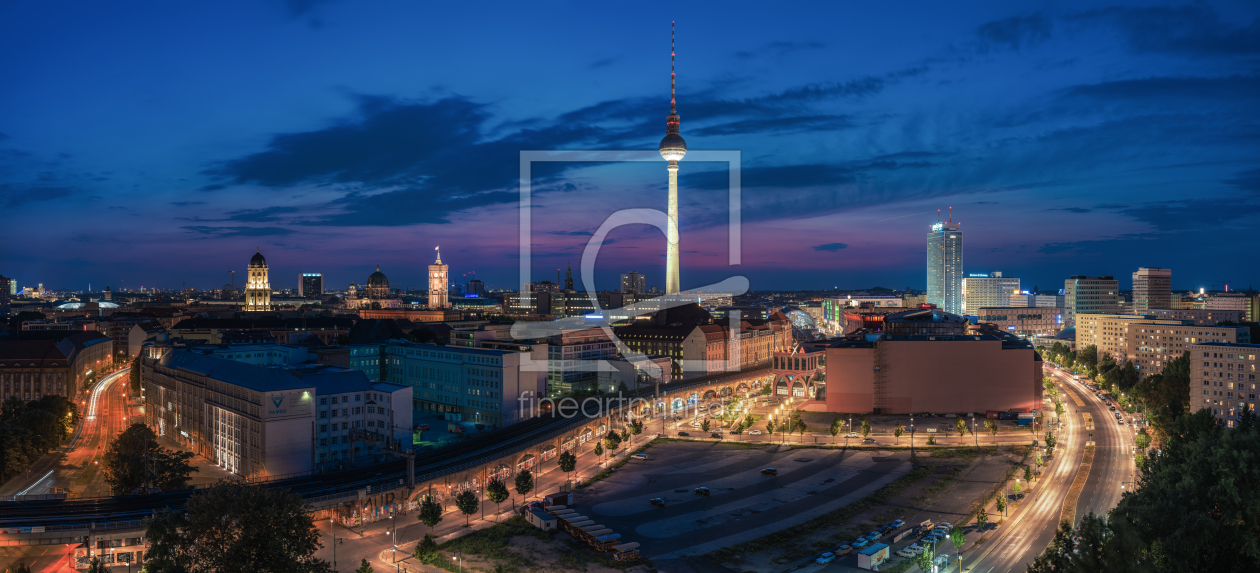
672, 148
671, 69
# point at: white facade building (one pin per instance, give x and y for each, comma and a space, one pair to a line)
944, 267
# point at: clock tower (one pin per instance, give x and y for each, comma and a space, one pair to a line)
439, 278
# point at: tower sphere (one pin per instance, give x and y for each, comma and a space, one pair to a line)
673, 147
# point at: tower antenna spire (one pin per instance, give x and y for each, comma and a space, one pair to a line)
671, 68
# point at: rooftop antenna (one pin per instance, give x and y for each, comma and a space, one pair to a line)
671, 68
951, 214
938, 215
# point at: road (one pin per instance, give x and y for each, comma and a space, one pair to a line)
1029, 531
75, 468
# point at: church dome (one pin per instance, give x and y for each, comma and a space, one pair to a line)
258, 260
378, 280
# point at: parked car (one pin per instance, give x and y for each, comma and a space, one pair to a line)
868, 440
898, 522
906, 552
639, 456
844, 550
658, 502
860, 543
769, 472
684, 434
916, 548
851, 435
702, 491
424, 427
717, 435
754, 432
825, 558
874, 535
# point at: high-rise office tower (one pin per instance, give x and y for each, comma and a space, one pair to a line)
568, 278
989, 291
633, 282
944, 266
5, 290
439, 274
673, 148
1089, 295
258, 289
476, 287
1152, 288
311, 284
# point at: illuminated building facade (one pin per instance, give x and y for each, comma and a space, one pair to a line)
944, 267
439, 280
258, 289
673, 148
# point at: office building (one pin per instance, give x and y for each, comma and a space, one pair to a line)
1089, 295
479, 385
698, 345
1223, 379
1149, 343
1152, 288
439, 277
633, 282
625, 375
258, 289
924, 322
475, 288
1023, 321
944, 267
259, 421
988, 291
6, 293
311, 285
1228, 301
931, 373
573, 360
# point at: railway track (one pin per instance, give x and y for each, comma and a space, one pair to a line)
79, 513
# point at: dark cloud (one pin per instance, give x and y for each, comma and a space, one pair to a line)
1072, 209
221, 232
303, 7
1194, 214
1015, 33
1246, 181
603, 63
265, 215
187, 203
16, 196
831, 247
1180, 91
1193, 29
779, 125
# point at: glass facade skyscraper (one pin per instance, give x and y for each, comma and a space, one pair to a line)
944, 267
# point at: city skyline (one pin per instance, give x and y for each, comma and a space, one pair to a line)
353, 153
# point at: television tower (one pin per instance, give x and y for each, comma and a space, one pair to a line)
673, 148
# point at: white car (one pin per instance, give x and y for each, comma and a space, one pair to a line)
754, 432
639, 456
915, 548
907, 553
825, 558
851, 435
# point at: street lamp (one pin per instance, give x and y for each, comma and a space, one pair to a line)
332, 523
459, 556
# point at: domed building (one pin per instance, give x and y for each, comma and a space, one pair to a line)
258, 289
378, 285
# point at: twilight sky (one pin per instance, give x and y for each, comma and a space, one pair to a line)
152, 143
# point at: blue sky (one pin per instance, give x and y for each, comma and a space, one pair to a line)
151, 143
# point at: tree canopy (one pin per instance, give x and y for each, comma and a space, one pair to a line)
236, 527
29, 430
135, 461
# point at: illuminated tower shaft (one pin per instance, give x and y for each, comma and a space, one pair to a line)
672, 149
671, 256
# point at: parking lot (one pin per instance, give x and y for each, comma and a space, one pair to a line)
743, 504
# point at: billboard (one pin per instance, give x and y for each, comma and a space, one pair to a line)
287, 403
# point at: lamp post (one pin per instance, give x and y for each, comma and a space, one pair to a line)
332, 523
459, 556
911, 436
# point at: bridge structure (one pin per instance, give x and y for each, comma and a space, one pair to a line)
365, 494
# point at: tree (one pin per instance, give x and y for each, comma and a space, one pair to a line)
599, 450
770, 427
961, 424
1001, 504
366, 567
134, 461
1017, 489
801, 427
958, 539
612, 440
982, 518
22, 567
898, 431
235, 527
1051, 441
1142, 440
467, 503
134, 375
426, 551
524, 483
94, 566
567, 462
866, 428
1087, 358
992, 427
497, 491
924, 560
834, 430
1037, 460
1167, 396
430, 511
705, 425
1028, 474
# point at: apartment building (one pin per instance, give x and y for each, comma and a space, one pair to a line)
1223, 379
1200, 316
1149, 343
480, 385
